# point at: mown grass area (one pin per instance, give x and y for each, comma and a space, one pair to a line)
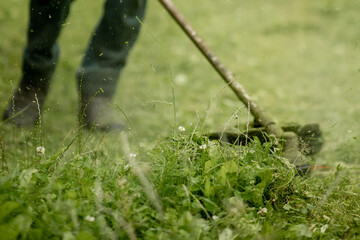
300, 61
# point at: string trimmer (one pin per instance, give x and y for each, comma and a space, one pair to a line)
266, 124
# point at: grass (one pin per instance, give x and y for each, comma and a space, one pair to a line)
300, 60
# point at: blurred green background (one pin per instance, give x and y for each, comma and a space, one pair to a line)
299, 59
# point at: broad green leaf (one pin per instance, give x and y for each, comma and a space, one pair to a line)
227, 167
209, 165
209, 189
6, 208
26, 176
301, 231
85, 235
68, 236
15, 227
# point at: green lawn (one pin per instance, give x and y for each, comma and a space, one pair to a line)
299, 59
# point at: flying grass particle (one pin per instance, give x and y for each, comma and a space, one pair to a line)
323, 228
327, 218
153, 68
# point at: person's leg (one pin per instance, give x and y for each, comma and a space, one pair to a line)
39, 60
105, 57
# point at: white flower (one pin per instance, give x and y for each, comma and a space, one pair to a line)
262, 211
215, 218
132, 155
89, 218
181, 129
40, 150
126, 167
202, 147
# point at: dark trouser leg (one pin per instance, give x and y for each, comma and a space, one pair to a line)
106, 55
39, 60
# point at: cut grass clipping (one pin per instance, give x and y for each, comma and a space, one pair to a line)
184, 188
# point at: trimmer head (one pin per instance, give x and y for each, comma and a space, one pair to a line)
309, 136
309, 140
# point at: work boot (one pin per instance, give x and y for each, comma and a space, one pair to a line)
98, 113
24, 107
37, 70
